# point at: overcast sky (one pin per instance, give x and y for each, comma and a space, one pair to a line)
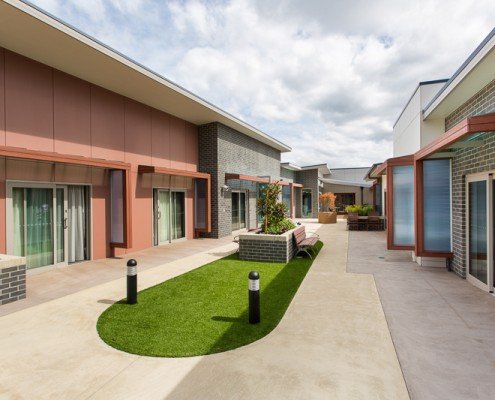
329, 78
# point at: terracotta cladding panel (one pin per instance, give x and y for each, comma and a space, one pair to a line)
191, 147
29, 103
2, 98
107, 125
72, 115
160, 139
177, 143
100, 214
137, 133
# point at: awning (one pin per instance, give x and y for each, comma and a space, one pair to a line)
464, 129
346, 183
151, 169
18, 152
258, 179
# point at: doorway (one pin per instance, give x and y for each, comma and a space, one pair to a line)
238, 210
480, 235
169, 210
48, 223
307, 203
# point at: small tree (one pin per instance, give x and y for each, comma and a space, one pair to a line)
327, 201
269, 208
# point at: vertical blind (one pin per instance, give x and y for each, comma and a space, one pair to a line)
436, 205
403, 206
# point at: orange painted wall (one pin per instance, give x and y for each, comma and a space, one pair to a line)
45, 109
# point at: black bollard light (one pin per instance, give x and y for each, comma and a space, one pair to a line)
131, 281
254, 297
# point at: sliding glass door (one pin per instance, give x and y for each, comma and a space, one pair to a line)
48, 223
480, 212
169, 215
238, 210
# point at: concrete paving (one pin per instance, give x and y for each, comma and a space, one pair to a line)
333, 343
45, 284
442, 326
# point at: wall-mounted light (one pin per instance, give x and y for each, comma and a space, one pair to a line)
224, 189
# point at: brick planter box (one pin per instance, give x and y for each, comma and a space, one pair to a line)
12, 278
260, 247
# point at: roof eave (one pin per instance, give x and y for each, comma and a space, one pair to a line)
33, 33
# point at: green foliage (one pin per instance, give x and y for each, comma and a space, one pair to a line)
269, 208
203, 311
281, 227
363, 210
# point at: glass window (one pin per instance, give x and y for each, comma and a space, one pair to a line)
117, 206
436, 205
403, 195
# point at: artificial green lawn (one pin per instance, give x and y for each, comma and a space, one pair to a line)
203, 311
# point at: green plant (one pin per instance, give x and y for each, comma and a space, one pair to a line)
203, 311
269, 208
283, 226
363, 210
327, 201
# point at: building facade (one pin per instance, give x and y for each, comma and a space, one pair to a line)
238, 165
440, 197
100, 156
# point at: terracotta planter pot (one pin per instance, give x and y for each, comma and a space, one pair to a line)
329, 217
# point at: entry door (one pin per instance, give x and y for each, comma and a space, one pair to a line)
238, 210
479, 226
162, 216
61, 225
47, 223
169, 215
307, 203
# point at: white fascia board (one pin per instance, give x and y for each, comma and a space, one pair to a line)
477, 71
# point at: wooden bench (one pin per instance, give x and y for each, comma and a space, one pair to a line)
305, 244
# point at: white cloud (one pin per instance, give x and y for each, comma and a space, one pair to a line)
327, 77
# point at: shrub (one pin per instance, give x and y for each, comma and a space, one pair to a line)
363, 210
281, 227
269, 208
327, 201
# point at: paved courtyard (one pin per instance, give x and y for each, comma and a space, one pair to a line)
366, 323
333, 343
442, 326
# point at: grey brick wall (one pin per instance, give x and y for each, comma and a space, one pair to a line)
287, 174
12, 284
309, 180
224, 150
469, 161
253, 249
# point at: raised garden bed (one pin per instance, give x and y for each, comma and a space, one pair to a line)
266, 247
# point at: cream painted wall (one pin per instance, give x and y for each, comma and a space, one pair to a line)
411, 133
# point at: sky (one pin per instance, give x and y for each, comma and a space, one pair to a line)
327, 77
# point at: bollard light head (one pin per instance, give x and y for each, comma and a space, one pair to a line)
131, 267
254, 275
132, 263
